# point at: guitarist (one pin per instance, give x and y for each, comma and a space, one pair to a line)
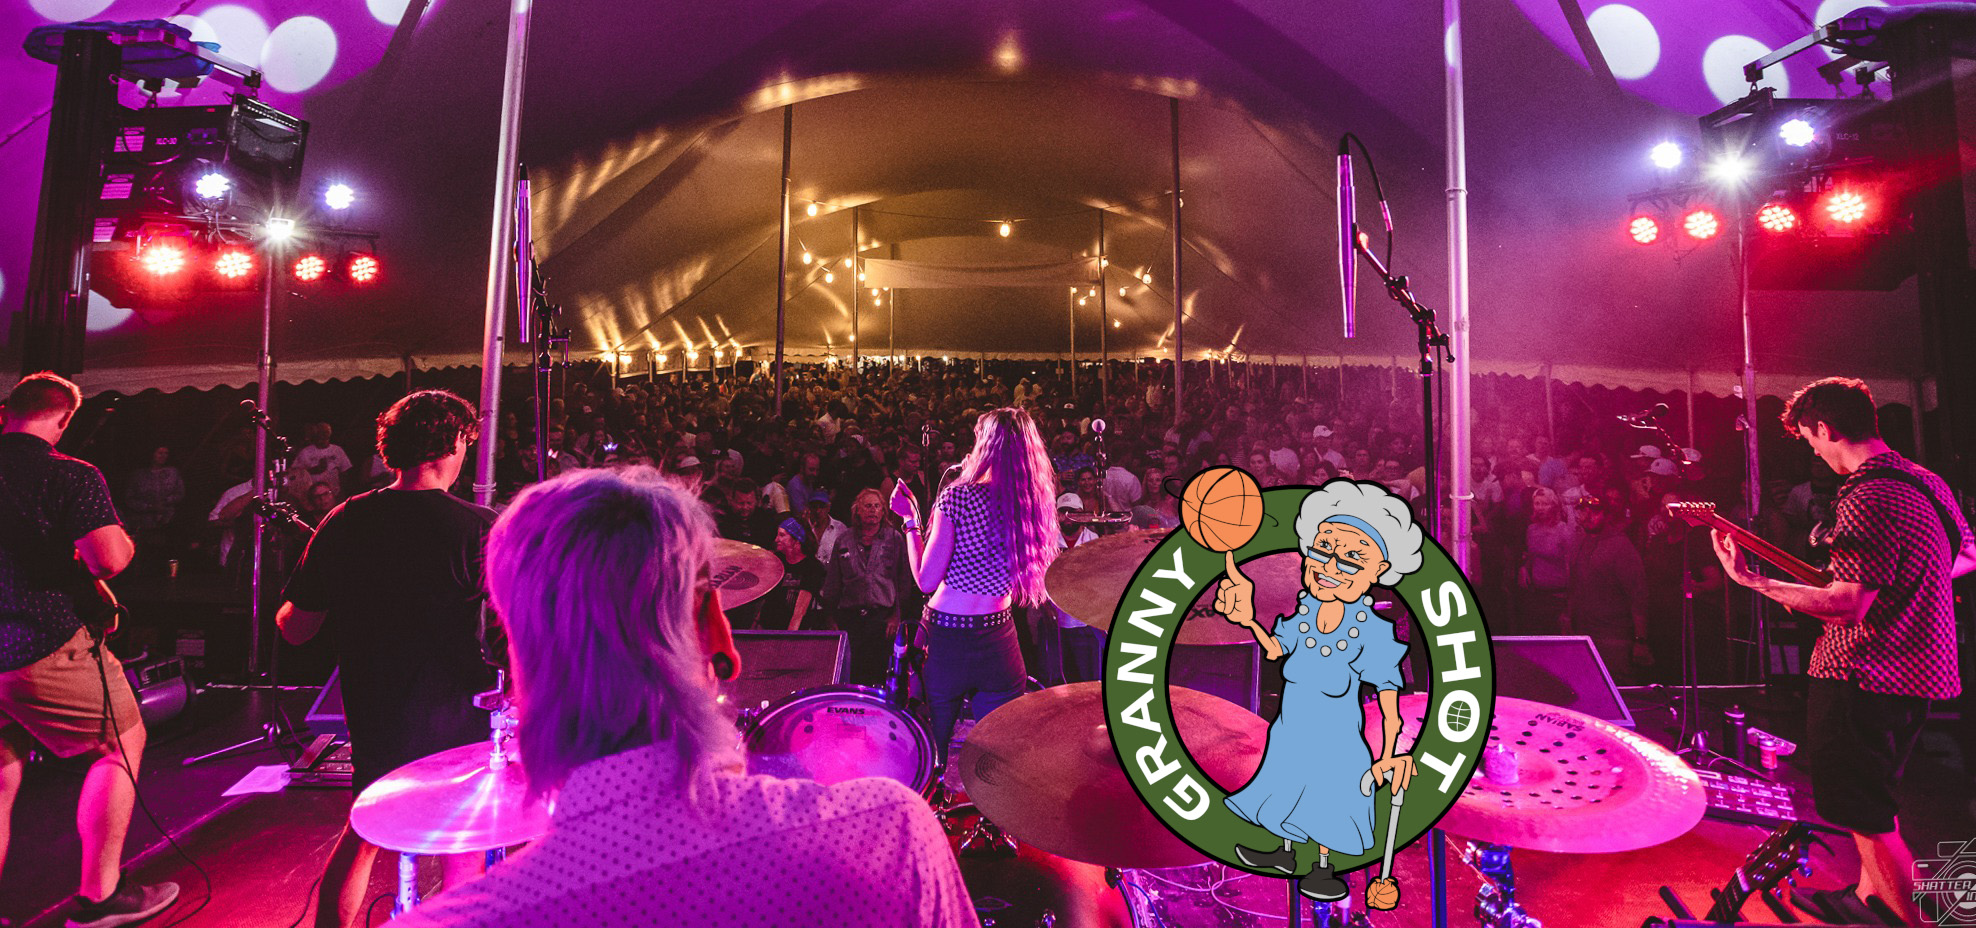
58, 685
1889, 641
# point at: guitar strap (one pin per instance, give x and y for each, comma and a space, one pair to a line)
1895, 474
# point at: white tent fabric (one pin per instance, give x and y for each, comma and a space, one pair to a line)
882, 273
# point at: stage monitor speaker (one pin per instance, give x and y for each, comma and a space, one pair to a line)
1230, 671
326, 713
1559, 670
162, 689
775, 664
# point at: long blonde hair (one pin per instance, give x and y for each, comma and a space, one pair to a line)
1008, 457
598, 577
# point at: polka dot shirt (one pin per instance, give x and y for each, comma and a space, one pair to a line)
626, 848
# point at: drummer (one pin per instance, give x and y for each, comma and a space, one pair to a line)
394, 575
614, 628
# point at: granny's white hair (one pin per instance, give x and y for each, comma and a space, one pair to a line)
1375, 506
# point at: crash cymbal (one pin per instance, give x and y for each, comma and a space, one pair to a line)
1042, 768
450, 803
1088, 581
743, 572
1553, 779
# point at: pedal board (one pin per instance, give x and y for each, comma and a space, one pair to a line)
325, 765
1745, 800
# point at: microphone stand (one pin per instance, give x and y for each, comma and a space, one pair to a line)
278, 456
1430, 338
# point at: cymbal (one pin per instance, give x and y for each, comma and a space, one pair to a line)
1098, 518
1088, 581
1042, 767
1565, 782
743, 572
450, 803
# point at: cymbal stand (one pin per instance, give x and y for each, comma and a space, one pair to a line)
1495, 902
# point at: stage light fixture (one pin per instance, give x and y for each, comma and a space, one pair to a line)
1701, 224
1665, 156
279, 229
1777, 217
1797, 133
310, 268
1845, 206
162, 259
212, 185
339, 196
233, 263
1730, 169
1644, 230
362, 268
1007, 229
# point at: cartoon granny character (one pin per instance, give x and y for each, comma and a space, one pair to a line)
1353, 535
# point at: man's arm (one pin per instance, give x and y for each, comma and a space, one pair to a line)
298, 625
1841, 603
105, 551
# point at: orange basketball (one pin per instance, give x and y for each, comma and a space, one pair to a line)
1382, 894
1221, 508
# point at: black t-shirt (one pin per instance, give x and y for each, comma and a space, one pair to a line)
805, 576
48, 500
399, 574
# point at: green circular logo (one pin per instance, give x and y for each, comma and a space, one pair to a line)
1447, 627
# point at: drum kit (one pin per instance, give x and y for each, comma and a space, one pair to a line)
1049, 823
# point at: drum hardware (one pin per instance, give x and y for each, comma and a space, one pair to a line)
1087, 582
1495, 902
835, 733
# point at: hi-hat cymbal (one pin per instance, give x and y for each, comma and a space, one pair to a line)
1042, 768
1088, 581
743, 572
1563, 781
452, 802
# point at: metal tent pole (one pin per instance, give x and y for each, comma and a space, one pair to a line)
1458, 387
1179, 317
782, 257
857, 289
501, 247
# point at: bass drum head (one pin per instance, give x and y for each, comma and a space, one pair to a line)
835, 733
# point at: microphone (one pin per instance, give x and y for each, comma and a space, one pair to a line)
926, 435
1645, 416
256, 413
1347, 260
1098, 426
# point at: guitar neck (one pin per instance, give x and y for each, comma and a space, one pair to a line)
1757, 545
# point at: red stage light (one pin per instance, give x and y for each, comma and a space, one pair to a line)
162, 259
1776, 217
310, 268
1845, 206
233, 263
1701, 224
362, 268
1644, 230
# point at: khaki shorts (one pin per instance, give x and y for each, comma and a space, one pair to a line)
59, 698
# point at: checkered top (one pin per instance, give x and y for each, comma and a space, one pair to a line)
1888, 537
980, 563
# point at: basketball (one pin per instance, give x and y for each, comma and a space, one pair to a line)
1382, 894
1221, 508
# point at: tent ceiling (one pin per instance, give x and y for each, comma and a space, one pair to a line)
656, 139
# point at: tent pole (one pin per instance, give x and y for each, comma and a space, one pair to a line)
1179, 318
501, 248
1550, 409
782, 257
1459, 385
1104, 321
857, 289
1691, 421
1753, 493
1073, 345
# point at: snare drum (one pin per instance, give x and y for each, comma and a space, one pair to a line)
835, 733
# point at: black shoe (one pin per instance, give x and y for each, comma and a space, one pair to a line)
1320, 884
1281, 858
127, 906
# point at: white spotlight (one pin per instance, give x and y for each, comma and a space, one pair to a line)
280, 230
339, 196
1730, 169
212, 186
1665, 156
1797, 133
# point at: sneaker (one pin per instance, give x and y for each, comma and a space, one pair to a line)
1322, 885
1280, 858
127, 906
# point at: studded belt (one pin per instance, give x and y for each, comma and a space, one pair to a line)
951, 620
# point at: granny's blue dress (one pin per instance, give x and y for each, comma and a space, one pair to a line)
1307, 789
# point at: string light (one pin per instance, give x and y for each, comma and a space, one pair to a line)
812, 209
1117, 324
847, 264
829, 277
1007, 229
807, 257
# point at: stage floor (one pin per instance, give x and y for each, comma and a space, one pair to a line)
264, 852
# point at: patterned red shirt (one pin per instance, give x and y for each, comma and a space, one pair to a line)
1888, 537
624, 849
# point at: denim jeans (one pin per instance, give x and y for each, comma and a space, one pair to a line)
984, 662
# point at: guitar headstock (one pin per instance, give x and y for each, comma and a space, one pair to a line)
1692, 513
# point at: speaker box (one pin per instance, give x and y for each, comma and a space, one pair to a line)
775, 664
161, 688
1559, 670
1230, 671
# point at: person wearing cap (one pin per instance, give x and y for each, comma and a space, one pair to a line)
1072, 652
1606, 588
802, 578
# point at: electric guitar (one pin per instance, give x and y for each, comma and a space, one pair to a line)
1704, 514
95, 604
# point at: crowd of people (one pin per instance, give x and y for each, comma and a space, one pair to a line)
1568, 516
